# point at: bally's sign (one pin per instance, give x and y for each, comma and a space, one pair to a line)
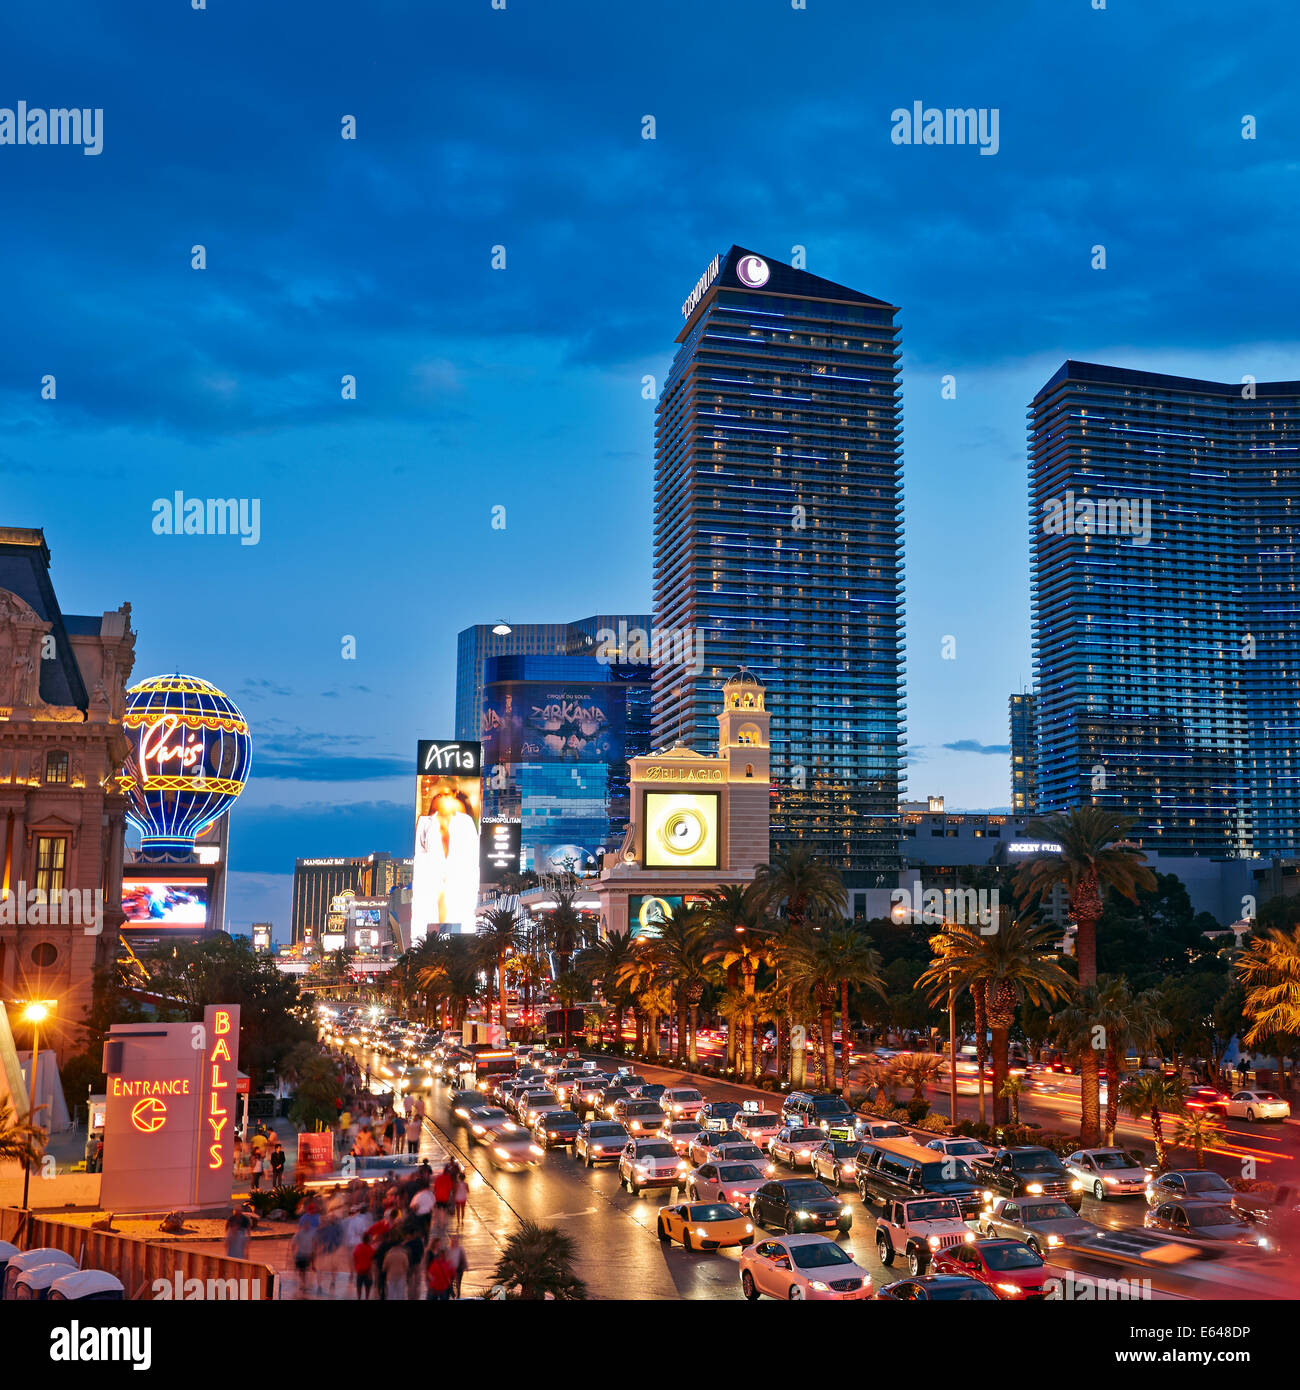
448, 759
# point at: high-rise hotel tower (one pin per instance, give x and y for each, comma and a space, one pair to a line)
1165, 527
778, 539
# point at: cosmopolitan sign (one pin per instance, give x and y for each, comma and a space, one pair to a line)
701, 287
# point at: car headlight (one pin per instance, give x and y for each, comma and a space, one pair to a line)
700, 1231
771, 1169
819, 1286
802, 1215
969, 1237
846, 1211
1075, 1186
1053, 1240
536, 1150
500, 1152
932, 1242
850, 1168
1012, 1289
1112, 1181
988, 1196
1034, 1188
749, 1230
640, 1171
682, 1166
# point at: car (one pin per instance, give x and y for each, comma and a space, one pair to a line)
541, 1103
680, 1133
835, 1161
718, 1114
586, 1095
600, 1141
1028, 1170
517, 1102
486, 1121
648, 1090
629, 1081
1257, 1105
682, 1102
556, 1129
1209, 1225
725, 1182
917, 1228
1009, 1267
799, 1204
650, 1163
610, 1097
794, 1145
514, 1150
958, 1146
462, 1102
1108, 1173
937, 1288
742, 1151
640, 1116
810, 1110
705, 1225
881, 1129
759, 1125
1188, 1185
1206, 1098
703, 1145
1043, 1223
802, 1267
901, 1168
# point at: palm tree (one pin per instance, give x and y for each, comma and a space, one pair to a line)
499, 933
21, 1141
1014, 963
741, 941
1092, 858
800, 883
1269, 970
791, 956
563, 926
1010, 1091
1145, 1096
1108, 1017
1198, 1130
539, 1262
570, 990
601, 963
856, 964
639, 976
681, 951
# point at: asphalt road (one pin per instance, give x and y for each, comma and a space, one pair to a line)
619, 1252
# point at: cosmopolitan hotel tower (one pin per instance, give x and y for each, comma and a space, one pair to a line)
1167, 631
778, 519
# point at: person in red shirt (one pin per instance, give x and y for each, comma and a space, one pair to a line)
443, 1187
440, 1276
362, 1258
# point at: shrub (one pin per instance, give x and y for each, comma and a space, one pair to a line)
286, 1198
917, 1110
933, 1124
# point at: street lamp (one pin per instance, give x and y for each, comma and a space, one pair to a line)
35, 1013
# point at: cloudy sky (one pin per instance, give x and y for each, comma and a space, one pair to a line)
521, 387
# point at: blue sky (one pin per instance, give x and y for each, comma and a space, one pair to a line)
522, 387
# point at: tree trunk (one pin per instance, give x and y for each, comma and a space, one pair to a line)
828, 1035
652, 1046
844, 1039
694, 1026
981, 1040
1157, 1134
749, 1024
1112, 1095
1001, 1103
1090, 1095
1087, 909
501, 991
681, 1026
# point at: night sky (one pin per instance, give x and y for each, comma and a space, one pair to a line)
522, 387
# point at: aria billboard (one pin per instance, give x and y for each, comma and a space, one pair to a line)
448, 810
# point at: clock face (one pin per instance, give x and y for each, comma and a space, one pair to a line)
681, 830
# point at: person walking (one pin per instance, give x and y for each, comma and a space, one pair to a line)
304, 1245
441, 1276
238, 1227
277, 1164
363, 1259
397, 1265
461, 1195
414, 1130
399, 1135
255, 1170
459, 1262
415, 1254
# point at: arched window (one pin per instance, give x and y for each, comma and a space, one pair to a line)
749, 769
56, 767
749, 737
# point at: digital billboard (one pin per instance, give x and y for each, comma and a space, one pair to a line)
681, 830
500, 849
564, 859
448, 809
161, 899
647, 913
576, 722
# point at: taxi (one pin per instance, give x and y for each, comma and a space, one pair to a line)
705, 1225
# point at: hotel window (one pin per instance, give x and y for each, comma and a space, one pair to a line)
51, 855
56, 768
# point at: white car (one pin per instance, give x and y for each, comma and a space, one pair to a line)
488, 1121
1257, 1105
1108, 1173
650, 1163
681, 1102
797, 1268
794, 1145
958, 1146
725, 1182
514, 1150
760, 1126
600, 1141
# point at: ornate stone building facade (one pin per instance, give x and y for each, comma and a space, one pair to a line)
63, 684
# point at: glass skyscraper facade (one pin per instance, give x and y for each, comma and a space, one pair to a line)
778, 540
557, 733
1024, 752
1163, 515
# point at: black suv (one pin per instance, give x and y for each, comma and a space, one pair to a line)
799, 1204
819, 1112
886, 1176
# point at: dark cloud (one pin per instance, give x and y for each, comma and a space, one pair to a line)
971, 745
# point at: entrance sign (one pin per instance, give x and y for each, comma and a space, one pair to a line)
169, 1113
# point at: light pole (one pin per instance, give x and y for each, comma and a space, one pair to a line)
36, 1012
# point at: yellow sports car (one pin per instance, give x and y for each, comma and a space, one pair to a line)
705, 1225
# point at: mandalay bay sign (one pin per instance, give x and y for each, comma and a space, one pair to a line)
169, 1122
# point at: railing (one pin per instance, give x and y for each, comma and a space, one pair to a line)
143, 1265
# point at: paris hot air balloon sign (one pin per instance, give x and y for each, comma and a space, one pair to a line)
191, 755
